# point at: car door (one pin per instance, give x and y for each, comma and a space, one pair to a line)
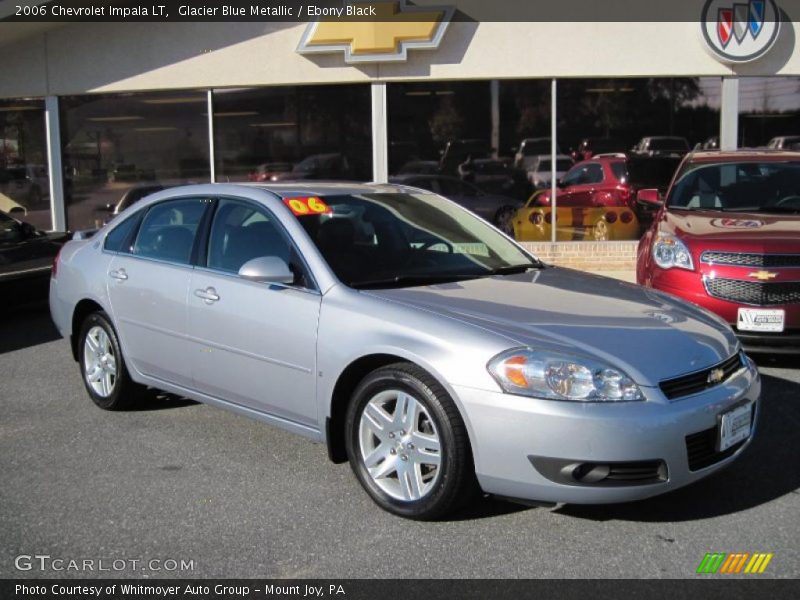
591, 177
148, 282
253, 344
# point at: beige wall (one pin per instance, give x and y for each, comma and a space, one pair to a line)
81, 58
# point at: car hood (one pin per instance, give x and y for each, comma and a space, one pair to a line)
650, 335
741, 232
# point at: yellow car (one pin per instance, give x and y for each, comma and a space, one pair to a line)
587, 223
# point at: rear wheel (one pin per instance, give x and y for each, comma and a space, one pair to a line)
407, 444
103, 369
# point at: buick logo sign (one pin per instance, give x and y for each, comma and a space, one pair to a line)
738, 32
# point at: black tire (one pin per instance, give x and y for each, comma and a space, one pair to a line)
504, 220
456, 484
125, 392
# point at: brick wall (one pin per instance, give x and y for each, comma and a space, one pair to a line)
587, 256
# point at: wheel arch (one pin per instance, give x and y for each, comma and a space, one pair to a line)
348, 380
82, 310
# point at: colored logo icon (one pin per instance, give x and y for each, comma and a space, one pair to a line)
395, 28
740, 31
723, 563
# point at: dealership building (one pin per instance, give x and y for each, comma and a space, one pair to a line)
91, 110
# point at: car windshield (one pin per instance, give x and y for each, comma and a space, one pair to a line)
379, 240
768, 186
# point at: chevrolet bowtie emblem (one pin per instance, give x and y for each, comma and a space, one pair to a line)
762, 275
387, 36
716, 375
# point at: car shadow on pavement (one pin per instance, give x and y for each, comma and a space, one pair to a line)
154, 399
768, 469
25, 327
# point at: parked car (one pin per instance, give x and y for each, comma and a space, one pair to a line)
591, 147
727, 238
333, 165
496, 176
533, 223
783, 142
662, 145
130, 197
436, 355
26, 255
540, 174
497, 209
596, 182
531, 148
25, 183
269, 171
458, 151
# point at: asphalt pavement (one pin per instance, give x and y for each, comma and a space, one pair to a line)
229, 497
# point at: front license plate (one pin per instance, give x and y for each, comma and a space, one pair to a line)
759, 319
734, 426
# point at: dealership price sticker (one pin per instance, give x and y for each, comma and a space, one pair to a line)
311, 205
760, 319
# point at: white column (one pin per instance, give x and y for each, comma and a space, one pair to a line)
553, 148
52, 122
210, 111
494, 87
729, 114
380, 133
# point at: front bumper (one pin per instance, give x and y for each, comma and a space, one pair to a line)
510, 434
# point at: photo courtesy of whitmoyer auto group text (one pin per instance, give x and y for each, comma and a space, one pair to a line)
400, 299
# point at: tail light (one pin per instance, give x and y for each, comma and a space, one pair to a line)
54, 269
626, 217
611, 217
535, 218
548, 218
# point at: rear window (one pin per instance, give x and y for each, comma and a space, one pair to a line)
620, 170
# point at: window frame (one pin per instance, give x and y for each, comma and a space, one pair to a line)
200, 259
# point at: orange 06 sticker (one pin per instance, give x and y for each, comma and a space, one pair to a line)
311, 205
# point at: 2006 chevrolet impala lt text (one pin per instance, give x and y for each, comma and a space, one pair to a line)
413, 338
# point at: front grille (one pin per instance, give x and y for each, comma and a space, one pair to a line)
701, 447
741, 259
754, 292
686, 385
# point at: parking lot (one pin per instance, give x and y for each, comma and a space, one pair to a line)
182, 481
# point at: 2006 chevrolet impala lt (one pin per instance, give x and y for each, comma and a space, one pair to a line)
414, 339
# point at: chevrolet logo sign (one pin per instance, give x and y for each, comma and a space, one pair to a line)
763, 275
386, 37
715, 376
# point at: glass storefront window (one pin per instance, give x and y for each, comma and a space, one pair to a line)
24, 179
119, 148
293, 133
769, 112
454, 138
622, 135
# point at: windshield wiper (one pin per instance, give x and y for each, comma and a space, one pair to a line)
413, 280
433, 278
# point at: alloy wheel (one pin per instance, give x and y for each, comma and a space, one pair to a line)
100, 364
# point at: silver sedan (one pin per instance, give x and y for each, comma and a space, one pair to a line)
414, 339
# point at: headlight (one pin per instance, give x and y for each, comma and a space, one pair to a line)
669, 251
554, 376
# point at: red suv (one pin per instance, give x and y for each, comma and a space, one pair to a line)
727, 237
596, 182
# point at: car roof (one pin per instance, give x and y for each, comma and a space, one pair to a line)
325, 188
742, 154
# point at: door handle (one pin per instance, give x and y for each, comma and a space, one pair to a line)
119, 274
209, 295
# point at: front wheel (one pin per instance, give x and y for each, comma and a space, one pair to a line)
103, 369
407, 444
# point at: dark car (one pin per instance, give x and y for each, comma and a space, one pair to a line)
497, 209
26, 257
458, 151
590, 147
130, 197
660, 145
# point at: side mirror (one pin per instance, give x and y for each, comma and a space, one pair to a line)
266, 269
649, 197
